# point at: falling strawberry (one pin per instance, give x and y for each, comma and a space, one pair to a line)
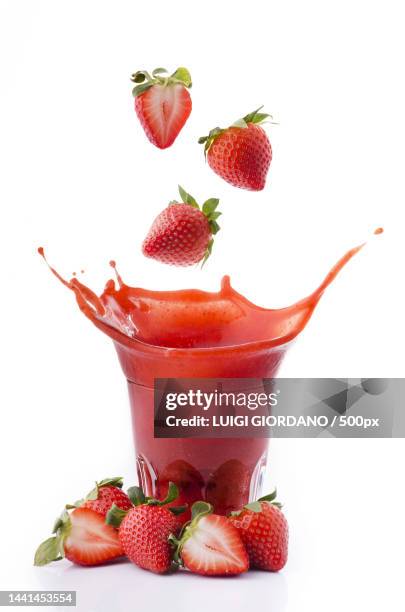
241, 154
162, 103
144, 531
106, 493
264, 531
182, 234
210, 545
83, 537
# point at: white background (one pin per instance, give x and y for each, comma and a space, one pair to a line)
79, 178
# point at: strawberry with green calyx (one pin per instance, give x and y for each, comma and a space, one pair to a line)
144, 530
81, 536
209, 544
162, 103
240, 154
264, 531
106, 493
182, 234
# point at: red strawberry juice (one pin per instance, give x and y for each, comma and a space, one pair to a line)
194, 334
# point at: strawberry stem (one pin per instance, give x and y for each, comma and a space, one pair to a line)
115, 516
253, 117
52, 549
144, 81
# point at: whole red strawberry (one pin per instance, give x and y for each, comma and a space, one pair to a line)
144, 531
162, 103
241, 154
106, 493
182, 234
264, 531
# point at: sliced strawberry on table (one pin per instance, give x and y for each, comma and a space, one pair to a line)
240, 154
145, 529
182, 234
83, 537
264, 531
210, 545
162, 103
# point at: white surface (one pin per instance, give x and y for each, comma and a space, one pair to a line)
79, 178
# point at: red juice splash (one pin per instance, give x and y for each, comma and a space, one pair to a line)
193, 319
195, 334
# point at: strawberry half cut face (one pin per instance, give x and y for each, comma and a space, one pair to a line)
162, 104
210, 545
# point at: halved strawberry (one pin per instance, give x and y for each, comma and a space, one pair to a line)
82, 537
162, 103
210, 545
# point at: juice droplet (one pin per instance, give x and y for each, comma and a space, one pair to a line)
113, 264
88, 302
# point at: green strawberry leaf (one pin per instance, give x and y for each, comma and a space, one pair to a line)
75, 504
187, 198
260, 117
172, 494
200, 509
256, 117
214, 228
49, 550
182, 75
270, 497
115, 516
93, 494
208, 140
176, 510
209, 206
159, 71
241, 123
254, 506
207, 252
139, 89
115, 481
62, 522
140, 76
136, 495
176, 545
